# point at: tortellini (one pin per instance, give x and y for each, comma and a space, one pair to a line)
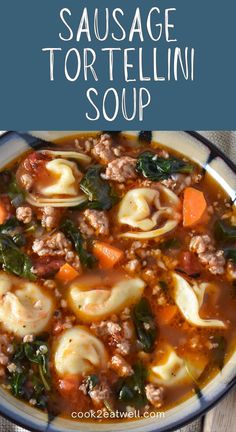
79, 352
153, 211
171, 372
175, 370
64, 177
66, 174
24, 307
93, 301
189, 300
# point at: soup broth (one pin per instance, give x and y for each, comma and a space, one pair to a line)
117, 281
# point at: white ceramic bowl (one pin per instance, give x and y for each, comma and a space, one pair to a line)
216, 164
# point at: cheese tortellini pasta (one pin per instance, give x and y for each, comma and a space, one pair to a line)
62, 188
66, 174
24, 307
153, 211
92, 301
172, 369
189, 300
79, 352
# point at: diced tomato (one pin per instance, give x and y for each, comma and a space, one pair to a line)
5, 208
73, 398
189, 263
69, 385
47, 266
34, 165
35, 161
166, 314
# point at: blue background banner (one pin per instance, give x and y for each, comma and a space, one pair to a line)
200, 95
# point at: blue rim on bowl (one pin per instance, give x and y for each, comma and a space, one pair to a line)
216, 164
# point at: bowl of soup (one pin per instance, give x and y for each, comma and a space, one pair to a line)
117, 279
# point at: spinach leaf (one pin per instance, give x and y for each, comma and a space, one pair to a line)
13, 260
17, 381
163, 286
145, 324
39, 392
108, 405
99, 192
132, 389
230, 253
224, 231
172, 243
24, 355
9, 226
157, 168
90, 382
18, 353
19, 239
15, 193
195, 382
69, 229
218, 353
36, 352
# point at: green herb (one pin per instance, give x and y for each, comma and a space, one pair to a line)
36, 352
163, 285
195, 382
17, 381
39, 392
19, 239
69, 229
157, 168
172, 243
145, 324
9, 226
90, 382
108, 405
26, 354
230, 253
99, 192
15, 193
132, 389
224, 231
13, 260
19, 353
218, 353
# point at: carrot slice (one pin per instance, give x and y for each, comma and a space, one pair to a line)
194, 206
3, 214
107, 255
166, 314
4, 209
66, 273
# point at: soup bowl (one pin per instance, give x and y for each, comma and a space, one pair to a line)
216, 165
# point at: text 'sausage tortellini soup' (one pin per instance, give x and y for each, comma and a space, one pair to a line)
117, 280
